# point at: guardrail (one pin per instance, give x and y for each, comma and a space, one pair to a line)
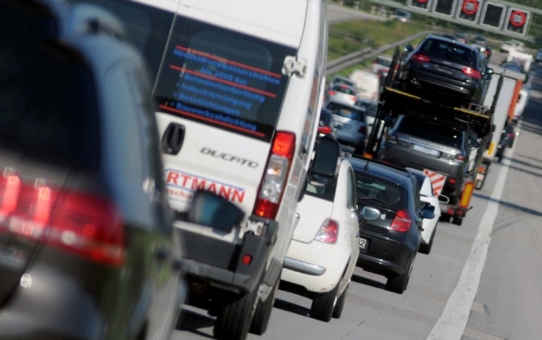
348, 60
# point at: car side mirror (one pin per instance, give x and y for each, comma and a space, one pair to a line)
322, 171
427, 214
428, 206
370, 213
489, 71
214, 211
408, 48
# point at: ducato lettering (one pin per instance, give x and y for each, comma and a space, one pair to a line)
229, 158
185, 185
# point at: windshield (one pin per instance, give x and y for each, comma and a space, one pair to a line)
370, 187
432, 132
346, 111
449, 50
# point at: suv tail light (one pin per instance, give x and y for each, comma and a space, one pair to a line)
420, 58
85, 224
326, 130
328, 232
278, 166
363, 129
401, 222
472, 72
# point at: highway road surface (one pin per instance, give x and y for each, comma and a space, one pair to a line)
481, 281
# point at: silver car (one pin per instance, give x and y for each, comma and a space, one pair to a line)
341, 93
351, 125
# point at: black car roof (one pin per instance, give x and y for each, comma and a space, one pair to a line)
441, 38
381, 170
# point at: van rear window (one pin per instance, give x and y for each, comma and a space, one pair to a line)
222, 78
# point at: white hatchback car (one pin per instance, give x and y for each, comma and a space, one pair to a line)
324, 250
426, 196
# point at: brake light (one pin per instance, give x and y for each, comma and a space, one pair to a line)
278, 167
401, 222
331, 92
420, 58
363, 129
511, 134
472, 72
328, 232
487, 53
452, 181
81, 223
326, 130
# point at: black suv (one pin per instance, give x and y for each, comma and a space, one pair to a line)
391, 215
87, 248
449, 69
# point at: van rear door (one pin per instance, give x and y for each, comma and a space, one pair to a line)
219, 94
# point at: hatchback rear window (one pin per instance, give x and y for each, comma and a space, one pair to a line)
223, 78
346, 111
449, 50
48, 108
370, 187
343, 89
432, 132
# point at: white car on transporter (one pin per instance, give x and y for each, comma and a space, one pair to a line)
427, 196
324, 251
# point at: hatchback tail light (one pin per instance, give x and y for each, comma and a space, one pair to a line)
363, 130
420, 58
326, 130
401, 222
472, 72
274, 178
328, 232
331, 92
81, 223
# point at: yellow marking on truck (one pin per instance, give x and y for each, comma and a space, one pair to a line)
467, 195
403, 93
470, 112
491, 148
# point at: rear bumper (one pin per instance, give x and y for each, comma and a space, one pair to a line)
219, 263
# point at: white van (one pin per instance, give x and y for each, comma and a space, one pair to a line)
367, 84
238, 85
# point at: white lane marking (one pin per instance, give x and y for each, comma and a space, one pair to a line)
453, 321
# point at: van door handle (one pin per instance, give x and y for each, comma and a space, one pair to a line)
173, 138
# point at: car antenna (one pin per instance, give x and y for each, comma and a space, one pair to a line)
366, 167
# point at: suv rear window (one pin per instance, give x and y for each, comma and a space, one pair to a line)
449, 50
223, 78
432, 132
48, 107
346, 111
375, 188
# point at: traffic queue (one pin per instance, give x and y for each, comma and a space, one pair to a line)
156, 155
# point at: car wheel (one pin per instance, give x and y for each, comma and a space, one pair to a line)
338, 310
234, 319
426, 248
261, 317
398, 283
458, 221
322, 306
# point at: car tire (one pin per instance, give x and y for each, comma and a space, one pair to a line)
261, 317
458, 221
426, 248
398, 283
234, 319
338, 310
323, 306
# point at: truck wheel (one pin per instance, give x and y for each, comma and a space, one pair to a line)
322, 306
458, 221
234, 319
261, 317
399, 283
338, 310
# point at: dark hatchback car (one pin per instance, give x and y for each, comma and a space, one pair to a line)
87, 249
453, 71
391, 215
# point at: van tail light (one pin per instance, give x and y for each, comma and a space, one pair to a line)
328, 232
363, 130
331, 92
401, 222
452, 181
459, 157
274, 179
326, 130
81, 223
472, 72
420, 58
